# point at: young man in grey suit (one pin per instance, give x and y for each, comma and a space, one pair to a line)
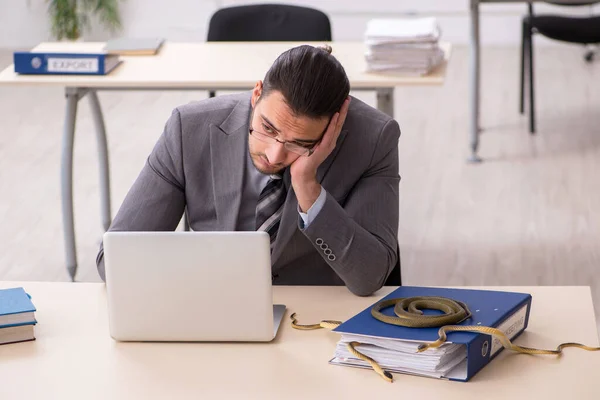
296, 157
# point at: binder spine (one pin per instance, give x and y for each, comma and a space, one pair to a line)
485, 348
59, 63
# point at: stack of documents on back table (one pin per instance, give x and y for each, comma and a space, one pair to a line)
408, 45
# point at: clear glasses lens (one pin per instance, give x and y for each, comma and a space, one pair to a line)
294, 148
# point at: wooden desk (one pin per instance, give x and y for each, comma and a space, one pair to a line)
180, 66
75, 358
210, 65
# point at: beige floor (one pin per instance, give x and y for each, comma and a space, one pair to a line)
529, 215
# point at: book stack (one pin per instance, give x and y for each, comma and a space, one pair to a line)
17, 316
460, 357
406, 46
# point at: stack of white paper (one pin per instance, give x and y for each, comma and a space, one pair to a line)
408, 45
401, 355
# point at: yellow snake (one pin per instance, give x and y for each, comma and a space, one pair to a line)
408, 313
328, 324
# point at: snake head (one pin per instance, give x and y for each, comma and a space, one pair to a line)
422, 347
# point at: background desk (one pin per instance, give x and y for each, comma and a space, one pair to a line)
74, 357
181, 66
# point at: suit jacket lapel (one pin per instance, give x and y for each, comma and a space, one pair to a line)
290, 216
228, 152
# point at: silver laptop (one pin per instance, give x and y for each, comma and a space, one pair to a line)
190, 286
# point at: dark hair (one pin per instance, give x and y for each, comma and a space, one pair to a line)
311, 80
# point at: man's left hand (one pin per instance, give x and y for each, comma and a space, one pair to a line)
304, 169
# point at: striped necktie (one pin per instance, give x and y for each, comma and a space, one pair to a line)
270, 207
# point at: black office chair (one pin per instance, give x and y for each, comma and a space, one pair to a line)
268, 23
395, 278
580, 30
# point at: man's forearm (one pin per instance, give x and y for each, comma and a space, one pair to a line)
307, 190
360, 258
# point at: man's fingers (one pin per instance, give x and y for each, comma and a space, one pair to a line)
341, 118
343, 113
335, 130
334, 121
332, 125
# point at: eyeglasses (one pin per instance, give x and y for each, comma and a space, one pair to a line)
296, 148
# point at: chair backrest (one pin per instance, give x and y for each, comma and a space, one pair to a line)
563, 3
572, 3
267, 23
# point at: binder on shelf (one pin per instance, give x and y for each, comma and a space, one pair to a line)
459, 358
51, 63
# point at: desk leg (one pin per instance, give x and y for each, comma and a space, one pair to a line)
385, 101
102, 159
72, 96
475, 81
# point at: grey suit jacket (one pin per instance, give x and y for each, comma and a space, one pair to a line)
198, 163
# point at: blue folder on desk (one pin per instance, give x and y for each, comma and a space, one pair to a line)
507, 311
48, 63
